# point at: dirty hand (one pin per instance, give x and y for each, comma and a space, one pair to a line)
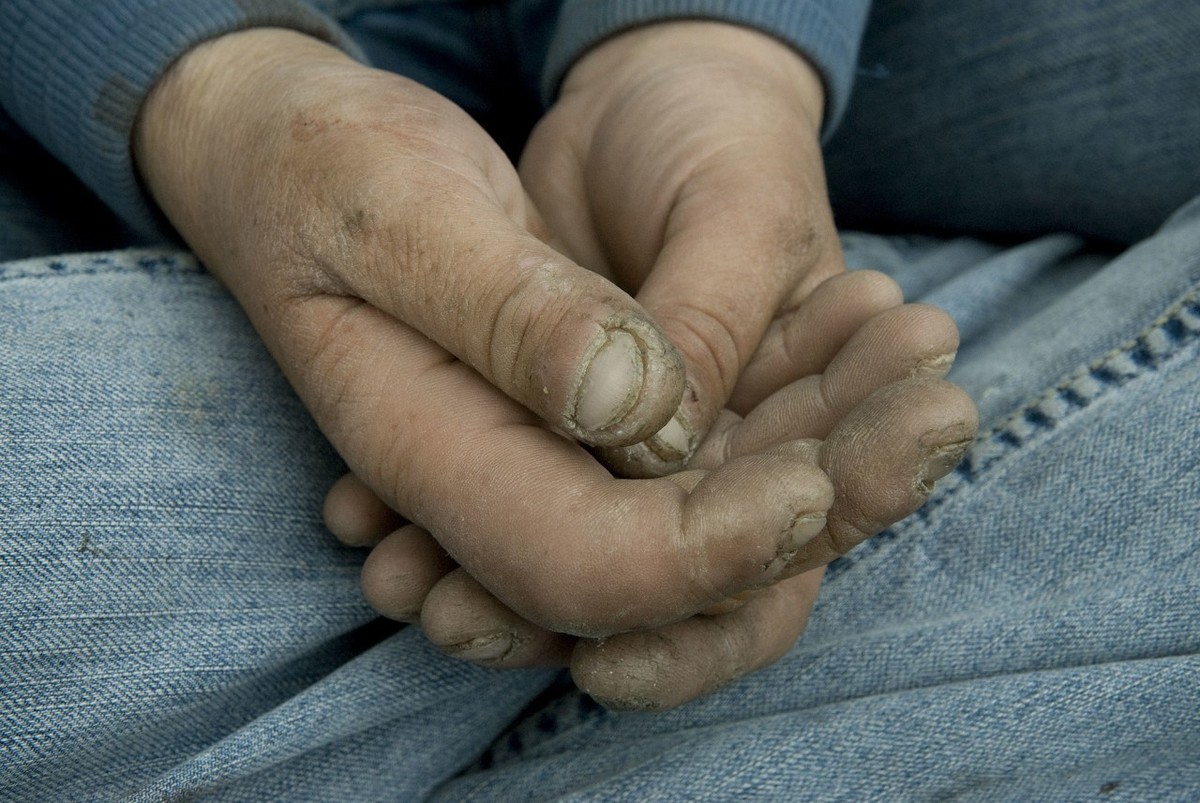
386, 252
682, 162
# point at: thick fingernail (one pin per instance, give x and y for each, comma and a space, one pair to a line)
612, 382
940, 462
802, 530
935, 366
674, 442
491, 647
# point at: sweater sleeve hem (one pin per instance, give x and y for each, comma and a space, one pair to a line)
74, 76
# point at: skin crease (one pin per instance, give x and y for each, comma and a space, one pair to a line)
684, 661
715, 289
401, 275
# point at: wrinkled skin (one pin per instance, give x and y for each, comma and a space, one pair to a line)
445, 334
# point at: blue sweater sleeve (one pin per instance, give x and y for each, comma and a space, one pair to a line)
74, 75
827, 32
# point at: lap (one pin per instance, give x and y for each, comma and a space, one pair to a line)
176, 618
1027, 635
175, 614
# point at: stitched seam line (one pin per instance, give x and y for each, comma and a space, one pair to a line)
1171, 332
147, 262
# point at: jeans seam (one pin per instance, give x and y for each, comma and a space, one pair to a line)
1177, 328
152, 262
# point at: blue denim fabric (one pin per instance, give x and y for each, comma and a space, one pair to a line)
176, 621
172, 603
1033, 633
177, 625
1022, 117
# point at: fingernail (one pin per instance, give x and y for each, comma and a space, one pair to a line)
612, 382
482, 648
940, 462
673, 442
935, 366
802, 530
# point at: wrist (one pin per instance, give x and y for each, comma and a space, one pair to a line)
201, 114
660, 48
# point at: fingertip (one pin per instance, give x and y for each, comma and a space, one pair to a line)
465, 621
868, 288
666, 452
791, 497
355, 515
672, 665
884, 456
400, 572
625, 673
911, 340
628, 387
934, 337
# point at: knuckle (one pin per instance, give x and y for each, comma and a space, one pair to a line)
329, 352
522, 314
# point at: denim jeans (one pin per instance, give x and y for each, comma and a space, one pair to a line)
176, 624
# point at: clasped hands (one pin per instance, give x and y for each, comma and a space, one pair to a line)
661, 282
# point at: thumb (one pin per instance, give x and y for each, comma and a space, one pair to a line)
748, 239
704, 174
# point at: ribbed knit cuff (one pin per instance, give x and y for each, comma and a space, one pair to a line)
74, 75
827, 32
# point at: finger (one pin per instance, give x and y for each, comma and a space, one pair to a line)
896, 344
399, 573
529, 513
809, 333
550, 169
335, 179
352, 511
557, 338
744, 235
883, 459
449, 257
355, 515
671, 665
701, 187
466, 621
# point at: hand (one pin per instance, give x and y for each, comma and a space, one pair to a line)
889, 428
682, 162
386, 252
